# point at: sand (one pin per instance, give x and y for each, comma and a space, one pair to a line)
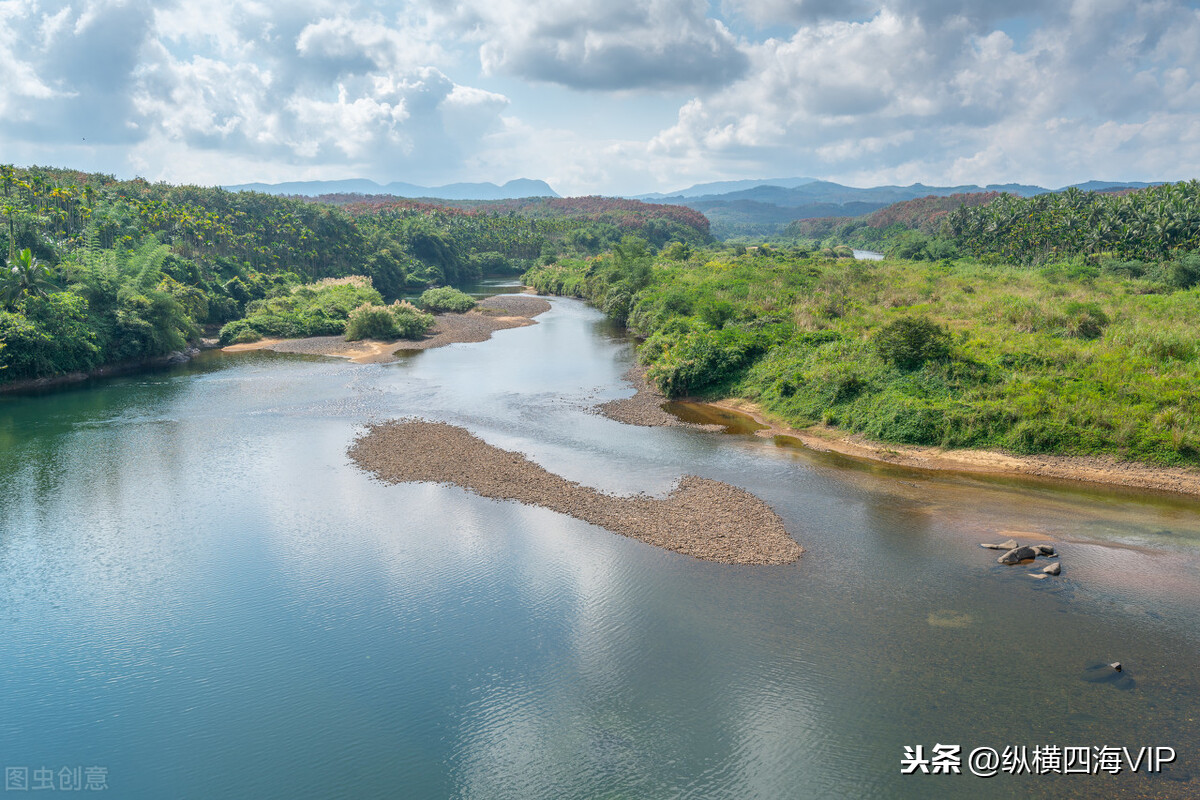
703, 518
988, 462
478, 325
1091, 469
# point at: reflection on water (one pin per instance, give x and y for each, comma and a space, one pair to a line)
202, 594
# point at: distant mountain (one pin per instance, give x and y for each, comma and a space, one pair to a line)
521, 187
763, 207
721, 187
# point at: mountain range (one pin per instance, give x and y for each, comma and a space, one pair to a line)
763, 207
521, 187
754, 208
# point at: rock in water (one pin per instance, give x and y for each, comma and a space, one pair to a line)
1112, 674
1053, 569
1009, 545
1044, 549
1017, 555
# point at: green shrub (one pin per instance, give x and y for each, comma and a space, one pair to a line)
318, 309
446, 298
371, 322
411, 322
909, 342
400, 320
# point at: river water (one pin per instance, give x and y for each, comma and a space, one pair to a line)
204, 598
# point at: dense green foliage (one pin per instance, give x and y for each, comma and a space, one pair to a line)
1067, 358
1143, 228
1149, 224
400, 320
320, 309
150, 265
446, 298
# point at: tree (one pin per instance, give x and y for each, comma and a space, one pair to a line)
26, 276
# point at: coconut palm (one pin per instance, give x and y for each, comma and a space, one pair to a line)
26, 276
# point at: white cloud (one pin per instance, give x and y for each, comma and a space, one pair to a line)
601, 44
865, 90
947, 99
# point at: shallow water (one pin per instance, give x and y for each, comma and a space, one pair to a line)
201, 594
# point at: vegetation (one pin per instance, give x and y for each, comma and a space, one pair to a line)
1063, 358
400, 320
319, 309
100, 270
1142, 229
446, 298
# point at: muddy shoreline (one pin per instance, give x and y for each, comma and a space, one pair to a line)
703, 518
1090, 469
645, 408
490, 315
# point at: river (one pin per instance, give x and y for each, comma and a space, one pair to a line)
204, 598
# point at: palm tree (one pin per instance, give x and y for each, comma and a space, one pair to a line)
26, 276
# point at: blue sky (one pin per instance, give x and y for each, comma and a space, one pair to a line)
604, 96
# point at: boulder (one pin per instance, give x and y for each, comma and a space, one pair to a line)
1044, 549
1053, 569
1009, 545
1017, 555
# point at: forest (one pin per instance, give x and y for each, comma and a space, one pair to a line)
1074, 351
102, 271
1142, 228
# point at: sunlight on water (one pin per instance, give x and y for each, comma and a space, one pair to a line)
203, 595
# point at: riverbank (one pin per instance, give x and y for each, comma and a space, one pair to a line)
988, 462
703, 518
645, 408
103, 371
478, 325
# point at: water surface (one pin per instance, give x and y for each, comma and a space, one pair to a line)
201, 594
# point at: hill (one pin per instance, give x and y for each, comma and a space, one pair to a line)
521, 187
767, 207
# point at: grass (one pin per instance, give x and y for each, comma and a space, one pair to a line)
1054, 360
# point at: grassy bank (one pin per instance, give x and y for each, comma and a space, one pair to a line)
1068, 358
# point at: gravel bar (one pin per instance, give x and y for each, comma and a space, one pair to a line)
645, 408
707, 519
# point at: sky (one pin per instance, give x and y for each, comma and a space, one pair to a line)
604, 96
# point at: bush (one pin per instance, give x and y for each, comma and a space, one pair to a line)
318, 309
1181, 273
701, 358
411, 322
446, 298
400, 320
371, 322
909, 342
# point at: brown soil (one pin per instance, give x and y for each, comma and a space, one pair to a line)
703, 518
478, 325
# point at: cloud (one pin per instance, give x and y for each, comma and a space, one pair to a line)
598, 95
603, 44
947, 97
309, 84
